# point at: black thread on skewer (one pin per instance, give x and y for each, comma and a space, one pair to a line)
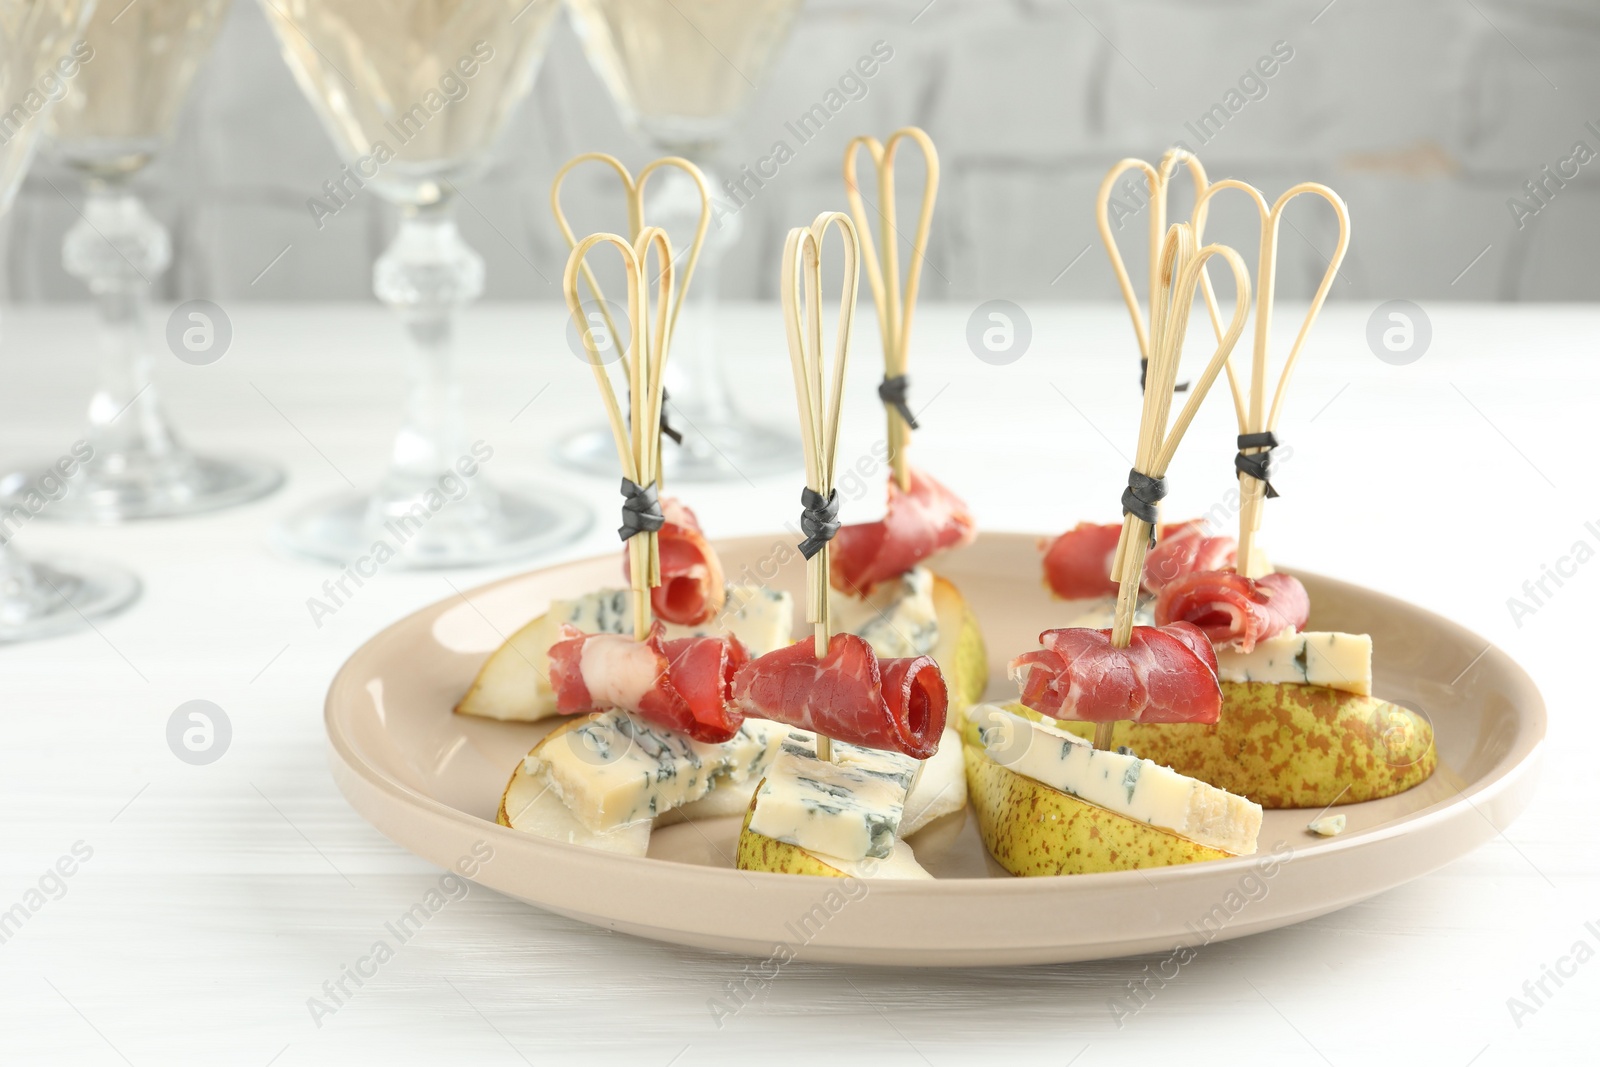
893, 392
667, 429
819, 521
1257, 465
1142, 496
641, 510
1144, 369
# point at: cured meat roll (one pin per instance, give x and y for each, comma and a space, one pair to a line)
1233, 610
849, 694
1183, 549
682, 684
1077, 565
1166, 674
919, 522
692, 589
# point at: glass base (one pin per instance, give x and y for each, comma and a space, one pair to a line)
122, 487
711, 452
490, 525
44, 598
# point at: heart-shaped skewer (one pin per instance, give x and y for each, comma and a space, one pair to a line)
895, 305
800, 285
1158, 180
1181, 268
1180, 274
633, 190
1258, 422
638, 438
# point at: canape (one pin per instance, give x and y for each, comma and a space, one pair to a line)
1050, 803
883, 587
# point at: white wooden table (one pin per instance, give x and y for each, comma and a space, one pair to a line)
218, 899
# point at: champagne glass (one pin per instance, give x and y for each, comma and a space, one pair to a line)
680, 71
414, 93
139, 62
39, 597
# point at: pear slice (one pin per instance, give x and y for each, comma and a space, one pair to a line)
1031, 829
760, 853
727, 798
940, 787
513, 684
1285, 745
960, 651
531, 806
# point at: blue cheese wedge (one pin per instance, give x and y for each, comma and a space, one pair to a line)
610, 769
897, 618
1327, 826
1335, 660
849, 807
514, 683
532, 807
761, 618
1120, 782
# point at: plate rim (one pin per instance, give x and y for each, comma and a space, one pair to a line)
1511, 771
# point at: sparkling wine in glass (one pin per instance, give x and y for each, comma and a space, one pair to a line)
414, 93
119, 107
680, 71
40, 596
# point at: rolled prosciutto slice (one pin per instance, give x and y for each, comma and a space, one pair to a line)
1166, 674
692, 589
1077, 565
1184, 548
1233, 610
920, 521
682, 684
849, 694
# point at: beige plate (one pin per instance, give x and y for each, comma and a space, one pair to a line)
431, 781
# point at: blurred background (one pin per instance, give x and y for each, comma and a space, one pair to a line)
1429, 117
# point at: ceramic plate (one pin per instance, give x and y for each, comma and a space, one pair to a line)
431, 780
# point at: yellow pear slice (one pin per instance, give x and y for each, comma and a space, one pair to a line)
1285, 745
758, 852
959, 652
1033, 830
514, 682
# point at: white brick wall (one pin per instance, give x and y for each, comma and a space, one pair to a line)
1426, 115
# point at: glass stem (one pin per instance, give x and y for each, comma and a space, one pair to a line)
695, 378
117, 249
427, 275
434, 432
707, 399
19, 586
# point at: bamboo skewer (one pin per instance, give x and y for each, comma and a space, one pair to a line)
638, 439
1159, 181
1181, 270
1254, 415
633, 190
895, 307
800, 285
